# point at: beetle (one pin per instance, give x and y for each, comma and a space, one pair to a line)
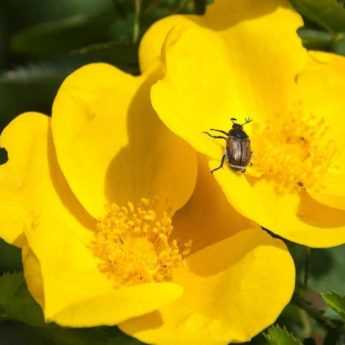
237, 151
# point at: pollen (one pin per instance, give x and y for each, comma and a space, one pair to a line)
292, 151
134, 244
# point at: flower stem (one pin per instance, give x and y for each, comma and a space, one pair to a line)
306, 267
136, 21
314, 312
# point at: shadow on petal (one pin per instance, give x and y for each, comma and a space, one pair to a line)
64, 192
208, 217
314, 213
155, 163
227, 286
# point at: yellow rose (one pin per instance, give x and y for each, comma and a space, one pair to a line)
244, 59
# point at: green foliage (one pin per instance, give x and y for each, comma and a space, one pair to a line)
334, 337
327, 268
42, 42
32, 12
16, 302
335, 302
326, 30
18, 333
10, 258
316, 39
280, 336
61, 36
34, 86
30, 88
327, 14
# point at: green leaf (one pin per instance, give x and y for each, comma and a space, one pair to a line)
18, 333
40, 72
88, 336
316, 39
280, 336
200, 6
328, 14
3, 38
327, 267
32, 87
61, 36
258, 340
339, 44
16, 302
335, 302
294, 319
334, 337
122, 55
10, 256
28, 13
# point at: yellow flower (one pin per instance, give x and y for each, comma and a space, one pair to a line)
103, 154
117, 226
244, 59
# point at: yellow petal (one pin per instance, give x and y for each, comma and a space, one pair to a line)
265, 59
116, 306
196, 95
76, 293
208, 217
322, 84
245, 78
58, 233
150, 48
83, 314
17, 173
111, 146
33, 274
233, 290
222, 14
293, 216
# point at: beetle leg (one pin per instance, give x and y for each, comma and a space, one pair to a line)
220, 165
215, 136
220, 131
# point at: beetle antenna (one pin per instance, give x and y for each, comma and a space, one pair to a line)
246, 121
233, 119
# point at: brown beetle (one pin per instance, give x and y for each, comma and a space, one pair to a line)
237, 150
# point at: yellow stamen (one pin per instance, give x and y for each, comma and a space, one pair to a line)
293, 151
134, 244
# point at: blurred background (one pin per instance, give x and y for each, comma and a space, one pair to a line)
41, 42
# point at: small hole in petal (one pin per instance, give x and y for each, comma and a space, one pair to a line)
3, 156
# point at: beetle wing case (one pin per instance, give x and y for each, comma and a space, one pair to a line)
238, 152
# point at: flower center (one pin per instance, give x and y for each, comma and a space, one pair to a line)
134, 244
293, 151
